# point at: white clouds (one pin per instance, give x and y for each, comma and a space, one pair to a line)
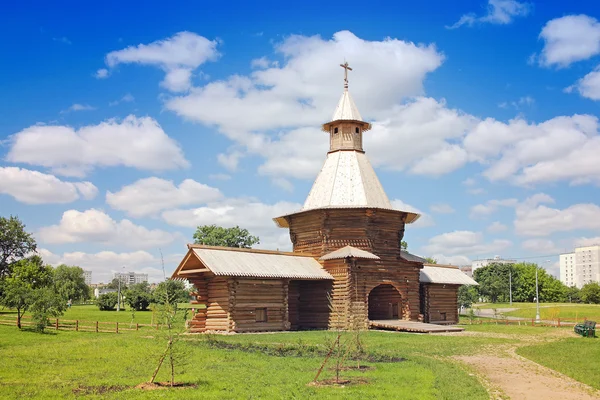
128, 98
452, 260
149, 196
491, 206
442, 208
102, 73
585, 241
569, 39
133, 142
536, 219
500, 12
588, 86
247, 213
496, 227
78, 107
105, 263
463, 243
304, 91
424, 220
33, 187
178, 56
94, 226
562, 148
540, 246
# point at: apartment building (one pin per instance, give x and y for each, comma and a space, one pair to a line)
580, 267
130, 278
87, 275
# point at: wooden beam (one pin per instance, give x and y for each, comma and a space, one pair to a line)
193, 271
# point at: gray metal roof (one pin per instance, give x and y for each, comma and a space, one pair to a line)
349, 251
411, 257
450, 276
347, 179
235, 262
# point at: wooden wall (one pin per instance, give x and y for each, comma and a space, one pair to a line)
385, 302
438, 299
217, 311
249, 294
313, 304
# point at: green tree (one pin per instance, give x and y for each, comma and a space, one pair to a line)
573, 294
213, 235
172, 292
403, 245
550, 288
15, 243
590, 293
70, 282
138, 296
47, 302
114, 284
107, 301
493, 281
430, 260
19, 289
467, 295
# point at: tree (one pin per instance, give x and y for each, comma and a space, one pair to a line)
590, 293
493, 281
403, 245
138, 296
430, 260
70, 282
15, 243
47, 302
573, 294
19, 289
107, 301
467, 295
171, 292
114, 284
212, 235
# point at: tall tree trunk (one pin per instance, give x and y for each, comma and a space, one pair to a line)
19, 315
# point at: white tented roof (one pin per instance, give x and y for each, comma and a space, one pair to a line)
446, 275
346, 109
255, 263
347, 179
349, 251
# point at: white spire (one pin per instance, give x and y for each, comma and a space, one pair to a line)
346, 109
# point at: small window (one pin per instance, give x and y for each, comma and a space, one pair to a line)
335, 130
357, 130
261, 315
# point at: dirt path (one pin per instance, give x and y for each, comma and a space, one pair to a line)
509, 375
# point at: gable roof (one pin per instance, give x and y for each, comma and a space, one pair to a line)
411, 257
225, 261
349, 251
446, 274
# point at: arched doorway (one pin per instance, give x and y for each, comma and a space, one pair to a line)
385, 303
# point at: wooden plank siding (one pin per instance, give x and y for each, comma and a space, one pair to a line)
440, 303
248, 295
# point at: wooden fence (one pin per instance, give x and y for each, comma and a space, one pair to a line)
556, 323
79, 325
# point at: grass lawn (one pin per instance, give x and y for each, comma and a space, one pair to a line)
578, 358
569, 311
66, 364
53, 365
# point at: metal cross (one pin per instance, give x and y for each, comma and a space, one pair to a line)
346, 68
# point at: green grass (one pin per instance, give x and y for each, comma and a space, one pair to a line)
578, 358
570, 312
277, 365
52, 365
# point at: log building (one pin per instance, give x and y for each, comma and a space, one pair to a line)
346, 267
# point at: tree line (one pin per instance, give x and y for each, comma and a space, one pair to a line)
495, 280
140, 296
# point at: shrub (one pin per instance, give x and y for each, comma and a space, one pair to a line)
47, 303
107, 301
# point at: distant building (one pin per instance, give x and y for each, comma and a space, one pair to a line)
98, 291
467, 270
87, 275
580, 267
485, 262
131, 278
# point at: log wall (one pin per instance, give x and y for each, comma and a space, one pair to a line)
437, 300
217, 311
248, 295
385, 302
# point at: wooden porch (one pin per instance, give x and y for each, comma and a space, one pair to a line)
411, 326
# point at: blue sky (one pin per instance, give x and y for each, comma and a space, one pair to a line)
125, 126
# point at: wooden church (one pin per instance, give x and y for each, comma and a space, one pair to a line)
346, 268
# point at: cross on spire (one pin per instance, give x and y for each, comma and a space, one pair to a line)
346, 68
